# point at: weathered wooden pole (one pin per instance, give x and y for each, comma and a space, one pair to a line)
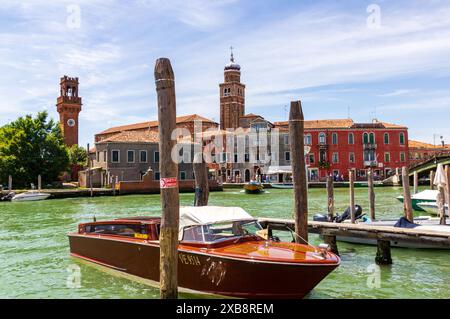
432, 180
170, 201
10, 185
39, 182
383, 252
447, 174
371, 194
296, 137
330, 195
441, 204
89, 171
407, 203
416, 182
352, 195
201, 180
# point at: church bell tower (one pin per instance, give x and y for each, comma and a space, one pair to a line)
232, 96
69, 106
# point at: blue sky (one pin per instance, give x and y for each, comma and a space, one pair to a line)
325, 53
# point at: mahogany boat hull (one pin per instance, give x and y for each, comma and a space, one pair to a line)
202, 272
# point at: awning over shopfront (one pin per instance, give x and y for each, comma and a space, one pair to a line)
279, 170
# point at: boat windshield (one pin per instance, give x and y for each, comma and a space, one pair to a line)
221, 231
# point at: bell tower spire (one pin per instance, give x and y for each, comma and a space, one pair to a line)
69, 107
232, 95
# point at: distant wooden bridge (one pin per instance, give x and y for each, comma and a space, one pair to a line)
423, 168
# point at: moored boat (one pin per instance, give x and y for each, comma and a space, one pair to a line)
253, 187
432, 208
30, 196
424, 196
282, 185
221, 252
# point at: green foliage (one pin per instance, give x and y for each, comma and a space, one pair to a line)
77, 155
32, 146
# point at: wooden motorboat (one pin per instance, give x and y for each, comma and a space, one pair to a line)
432, 208
282, 185
30, 196
253, 187
422, 197
221, 252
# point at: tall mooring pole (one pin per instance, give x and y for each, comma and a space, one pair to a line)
201, 180
170, 200
371, 194
351, 186
330, 195
296, 136
407, 195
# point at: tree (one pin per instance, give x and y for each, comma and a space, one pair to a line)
77, 156
32, 146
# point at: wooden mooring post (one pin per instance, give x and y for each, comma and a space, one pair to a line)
10, 184
89, 171
371, 194
170, 200
297, 147
432, 180
39, 182
383, 256
407, 203
416, 182
352, 195
330, 196
201, 180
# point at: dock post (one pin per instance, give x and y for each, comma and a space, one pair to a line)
416, 182
39, 182
331, 240
330, 193
352, 195
432, 180
383, 253
439, 182
170, 197
113, 184
89, 170
297, 148
10, 183
407, 203
201, 180
371, 194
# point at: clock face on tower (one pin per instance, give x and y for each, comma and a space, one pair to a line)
71, 122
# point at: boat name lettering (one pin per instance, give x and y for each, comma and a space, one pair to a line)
189, 259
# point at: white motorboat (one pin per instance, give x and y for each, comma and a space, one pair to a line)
282, 185
432, 208
30, 196
424, 196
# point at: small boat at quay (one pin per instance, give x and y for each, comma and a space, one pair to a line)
253, 187
424, 196
30, 196
222, 251
432, 208
282, 185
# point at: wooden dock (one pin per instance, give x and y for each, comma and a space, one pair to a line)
383, 235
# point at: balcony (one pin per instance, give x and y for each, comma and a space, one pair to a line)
370, 146
370, 163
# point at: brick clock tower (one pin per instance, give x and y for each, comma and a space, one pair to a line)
232, 96
69, 106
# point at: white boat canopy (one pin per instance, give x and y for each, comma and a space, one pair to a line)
279, 170
203, 215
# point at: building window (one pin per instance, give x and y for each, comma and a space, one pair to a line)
104, 156
97, 157
322, 138
156, 156
351, 138
402, 139
335, 157
387, 157
235, 158
115, 156
182, 175
366, 138
335, 138
286, 139
386, 138
372, 138
311, 159
247, 158
143, 156
352, 157
130, 156
287, 156
308, 139
402, 157
157, 176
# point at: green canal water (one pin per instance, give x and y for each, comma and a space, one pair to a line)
35, 261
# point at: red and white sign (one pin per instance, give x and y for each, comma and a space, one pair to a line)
170, 182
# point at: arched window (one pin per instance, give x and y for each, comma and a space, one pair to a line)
335, 138
372, 138
322, 138
351, 138
386, 138
366, 138
308, 139
402, 139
